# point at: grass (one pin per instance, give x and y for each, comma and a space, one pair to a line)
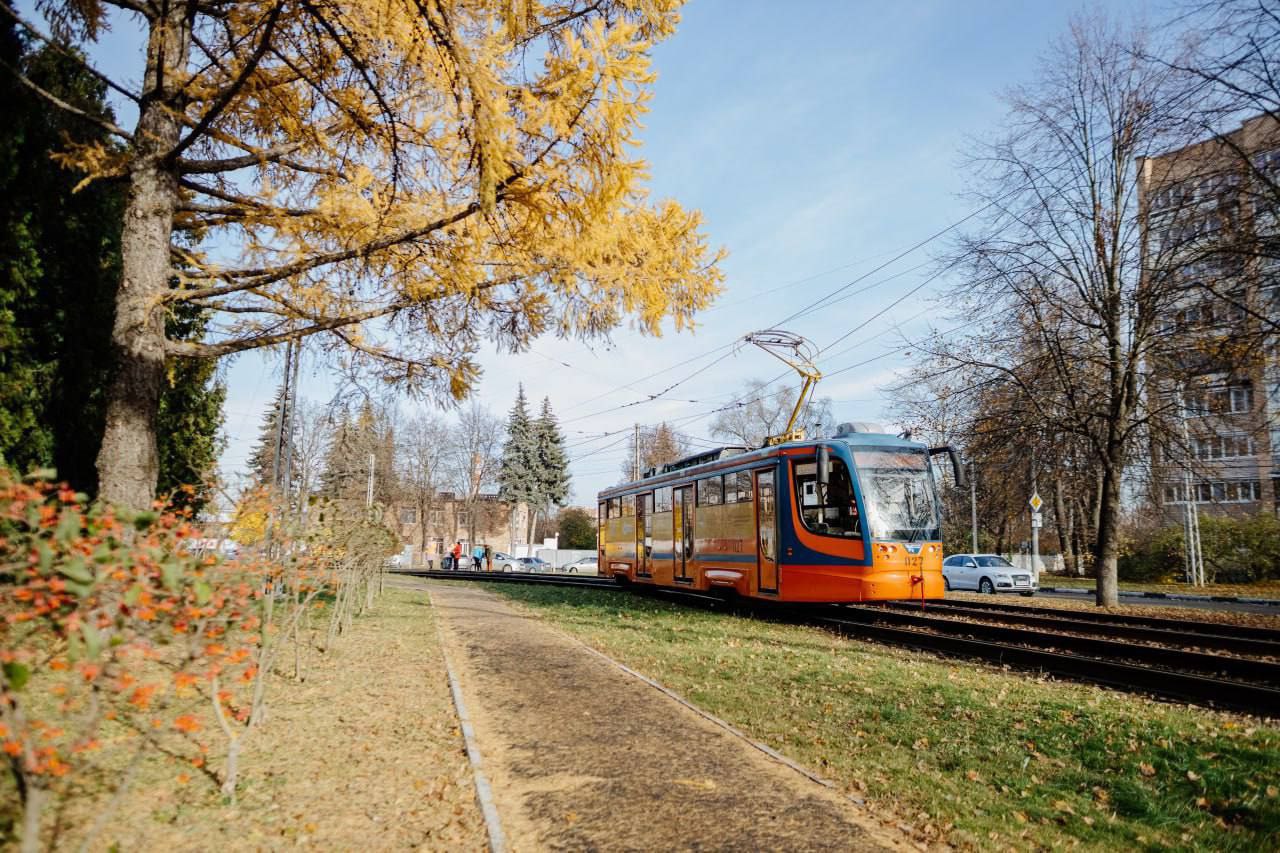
955, 751
1260, 589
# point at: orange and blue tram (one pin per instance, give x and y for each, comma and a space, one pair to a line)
854, 517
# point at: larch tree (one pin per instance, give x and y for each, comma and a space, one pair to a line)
658, 446
404, 178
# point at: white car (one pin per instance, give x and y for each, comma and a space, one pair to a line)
987, 573
582, 566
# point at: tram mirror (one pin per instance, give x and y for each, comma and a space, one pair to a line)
824, 467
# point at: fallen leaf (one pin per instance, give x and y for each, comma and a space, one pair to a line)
973, 776
1146, 769
1193, 776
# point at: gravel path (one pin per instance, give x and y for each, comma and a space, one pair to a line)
583, 756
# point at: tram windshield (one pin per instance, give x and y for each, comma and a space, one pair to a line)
898, 493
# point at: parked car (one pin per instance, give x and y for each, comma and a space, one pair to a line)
987, 573
582, 566
534, 564
505, 562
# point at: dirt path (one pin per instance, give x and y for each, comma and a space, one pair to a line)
583, 756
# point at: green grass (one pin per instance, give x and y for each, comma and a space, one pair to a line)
958, 751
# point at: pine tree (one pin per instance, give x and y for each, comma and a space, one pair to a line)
553, 462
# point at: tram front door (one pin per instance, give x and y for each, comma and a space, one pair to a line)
682, 532
767, 532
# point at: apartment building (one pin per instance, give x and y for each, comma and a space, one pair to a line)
1211, 223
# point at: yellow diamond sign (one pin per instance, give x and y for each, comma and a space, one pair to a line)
1035, 502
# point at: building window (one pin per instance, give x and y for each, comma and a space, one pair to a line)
1222, 446
464, 518
711, 491
437, 517
1221, 492
408, 515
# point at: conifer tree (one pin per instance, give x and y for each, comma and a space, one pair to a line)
262, 462
553, 463
518, 473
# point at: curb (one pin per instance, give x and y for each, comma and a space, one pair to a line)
1171, 596
484, 794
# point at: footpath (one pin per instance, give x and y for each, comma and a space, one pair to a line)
580, 754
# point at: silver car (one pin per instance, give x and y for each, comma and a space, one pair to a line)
583, 565
987, 573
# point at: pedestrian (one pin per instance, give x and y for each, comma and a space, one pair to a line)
456, 553
488, 558
477, 558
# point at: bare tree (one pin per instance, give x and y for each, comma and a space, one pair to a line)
764, 413
658, 446
424, 449
474, 457
1057, 264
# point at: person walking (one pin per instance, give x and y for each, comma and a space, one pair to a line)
488, 558
456, 553
477, 558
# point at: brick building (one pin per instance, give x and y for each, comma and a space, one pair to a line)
1209, 213
429, 528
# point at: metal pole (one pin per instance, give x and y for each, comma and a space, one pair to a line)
1035, 530
368, 495
1195, 558
636, 463
973, 506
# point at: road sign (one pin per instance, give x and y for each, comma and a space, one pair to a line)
1037, 521
1035, 502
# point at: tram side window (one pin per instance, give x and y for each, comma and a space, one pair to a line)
628, 505
737, 487
615, 507
711, 491
832, 514
662, 499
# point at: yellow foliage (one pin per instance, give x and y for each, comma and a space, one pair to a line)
428, 165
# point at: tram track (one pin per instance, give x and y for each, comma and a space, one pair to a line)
1065, 621
1112, 651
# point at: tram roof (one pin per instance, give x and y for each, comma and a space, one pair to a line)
732, 456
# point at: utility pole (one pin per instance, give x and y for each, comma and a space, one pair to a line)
636, 463
368, 495
973, 506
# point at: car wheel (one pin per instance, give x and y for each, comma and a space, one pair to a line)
946, 584
573, 570
986, 587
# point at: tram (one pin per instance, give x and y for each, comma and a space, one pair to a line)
854, 517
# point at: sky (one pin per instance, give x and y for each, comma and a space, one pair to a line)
819, 140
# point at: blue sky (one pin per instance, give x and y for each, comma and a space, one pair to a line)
818, 139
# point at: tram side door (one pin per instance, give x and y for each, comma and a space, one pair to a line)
766, 531
682, 531
644, 506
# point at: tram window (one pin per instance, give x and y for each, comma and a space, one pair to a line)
662, 499
737, 487
711, 491
834, 513
603, 513
615, 507
628, 505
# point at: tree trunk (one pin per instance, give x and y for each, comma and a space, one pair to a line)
1108, 544
1062, 515
128, 462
